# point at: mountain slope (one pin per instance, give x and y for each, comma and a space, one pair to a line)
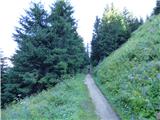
130, 77
66, 101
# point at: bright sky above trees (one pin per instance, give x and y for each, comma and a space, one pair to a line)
85, 12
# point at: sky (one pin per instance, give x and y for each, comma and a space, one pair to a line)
85, 13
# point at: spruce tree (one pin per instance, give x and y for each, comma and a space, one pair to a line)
111, 32
29, 66
157, 8
64, 25
48, 48
95, 56
6, 84
132, 22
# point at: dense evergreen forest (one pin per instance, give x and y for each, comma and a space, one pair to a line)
51, 55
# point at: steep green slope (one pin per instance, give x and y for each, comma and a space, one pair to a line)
66, 101
130, 77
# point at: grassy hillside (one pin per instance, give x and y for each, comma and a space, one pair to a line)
130, 77
63, 102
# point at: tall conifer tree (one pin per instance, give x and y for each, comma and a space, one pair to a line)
48, 48
157, 8
111, 32
95, 56
67, 39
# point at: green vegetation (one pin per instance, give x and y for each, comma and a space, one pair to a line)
156, 10
49, 48
130, 77
66, 101
50, 52
111, 32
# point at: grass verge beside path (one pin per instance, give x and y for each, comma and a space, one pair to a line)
58, 103
130, 76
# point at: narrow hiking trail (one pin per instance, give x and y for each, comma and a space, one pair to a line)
103, 109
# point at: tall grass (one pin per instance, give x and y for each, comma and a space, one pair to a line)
130, 77
66, 101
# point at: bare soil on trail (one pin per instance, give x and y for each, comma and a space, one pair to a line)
103, 108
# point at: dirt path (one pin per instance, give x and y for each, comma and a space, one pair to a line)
103, 109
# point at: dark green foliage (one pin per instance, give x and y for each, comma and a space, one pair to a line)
95, 57
7, 86
66, 38
29, 60
4, 81
111, 32
132, 23
157, 8
48, 48
3, 64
